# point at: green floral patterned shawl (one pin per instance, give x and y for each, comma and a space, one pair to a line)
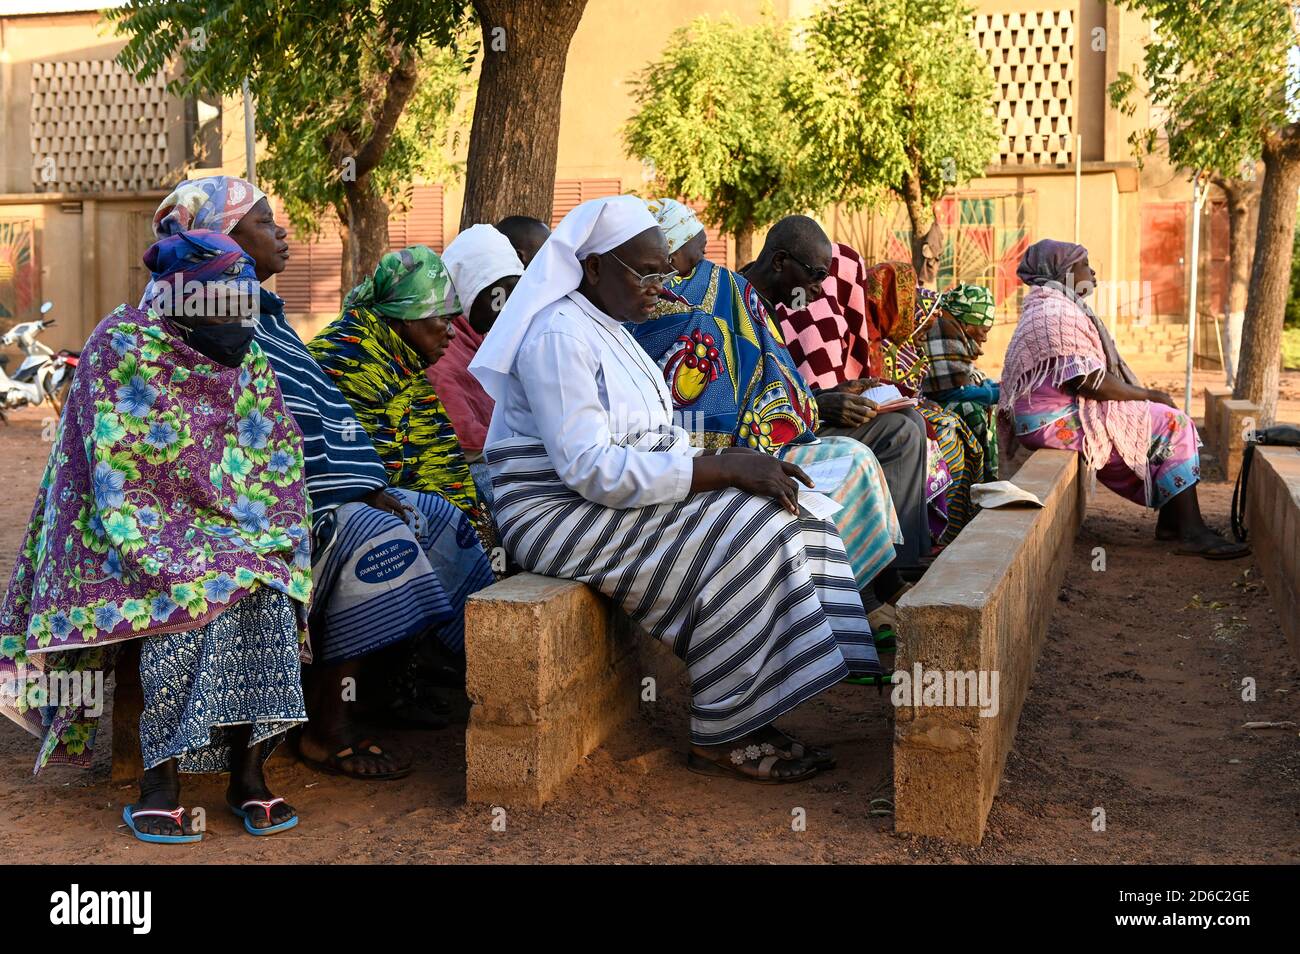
173, 489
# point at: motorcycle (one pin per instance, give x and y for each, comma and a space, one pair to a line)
43, 375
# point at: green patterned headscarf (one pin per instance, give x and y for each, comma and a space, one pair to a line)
969, 304
407, 285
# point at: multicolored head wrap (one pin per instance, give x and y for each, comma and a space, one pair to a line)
200, 256
407, 285
215, 202
679, 221
969, 304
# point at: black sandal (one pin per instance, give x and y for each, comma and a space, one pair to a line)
790, 747
763, 757
338, 763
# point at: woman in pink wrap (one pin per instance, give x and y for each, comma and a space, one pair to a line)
1065, 386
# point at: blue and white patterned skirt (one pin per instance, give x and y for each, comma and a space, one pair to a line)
242, 668
382, 580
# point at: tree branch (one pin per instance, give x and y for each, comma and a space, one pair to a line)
398, 90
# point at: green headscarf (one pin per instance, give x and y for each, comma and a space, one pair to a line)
969, 304
407, 285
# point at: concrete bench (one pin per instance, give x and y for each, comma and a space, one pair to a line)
551, 669
1226, 423
983, 607
1273, 518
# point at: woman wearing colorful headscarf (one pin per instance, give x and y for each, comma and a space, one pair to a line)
734, 384
172, 514
953, 343
376, 585
1065, 386
709, 552
394, 325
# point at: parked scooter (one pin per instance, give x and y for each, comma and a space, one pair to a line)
43, 375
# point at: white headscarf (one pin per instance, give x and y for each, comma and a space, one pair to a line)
592, 228
478, 257
679, 222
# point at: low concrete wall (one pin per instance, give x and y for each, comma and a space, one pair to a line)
1226, 423
551, 670
984, 607
1273, 518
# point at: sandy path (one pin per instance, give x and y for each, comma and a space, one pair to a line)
1135, 708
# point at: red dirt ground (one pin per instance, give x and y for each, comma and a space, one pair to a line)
1135, 708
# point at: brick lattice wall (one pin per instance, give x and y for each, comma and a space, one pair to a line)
1032, 55
95, 128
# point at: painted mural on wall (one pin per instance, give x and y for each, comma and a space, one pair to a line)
19, 279
984, 234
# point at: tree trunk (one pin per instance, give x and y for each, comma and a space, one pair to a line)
512, 144
919, 215
366, 230
1242, 197
1270, 275
744, 246
924, 223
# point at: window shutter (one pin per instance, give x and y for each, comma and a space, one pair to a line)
572, 192
421, 223
310, 283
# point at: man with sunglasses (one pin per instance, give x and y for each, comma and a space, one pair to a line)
789, 272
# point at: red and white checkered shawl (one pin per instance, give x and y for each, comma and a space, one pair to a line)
838, 336
1052, 340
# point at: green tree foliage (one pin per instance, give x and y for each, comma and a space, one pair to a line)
893, 97
354, 97
710, 124
1224, 72
1219, 91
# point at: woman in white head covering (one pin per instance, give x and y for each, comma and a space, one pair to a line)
593, 482
484, 267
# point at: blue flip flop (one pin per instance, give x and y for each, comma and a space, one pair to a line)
242, 812
177, 815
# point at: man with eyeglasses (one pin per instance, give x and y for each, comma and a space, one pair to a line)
789, 273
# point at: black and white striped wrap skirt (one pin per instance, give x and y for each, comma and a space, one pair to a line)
761, 605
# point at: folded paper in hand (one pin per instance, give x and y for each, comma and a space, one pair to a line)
887, 397
819, 505
1001, 493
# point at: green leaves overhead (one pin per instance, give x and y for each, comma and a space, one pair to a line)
320, 71
892, 90
865, 99
1223, 75
710, 119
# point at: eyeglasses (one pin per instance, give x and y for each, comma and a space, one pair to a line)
816, 274
647, 281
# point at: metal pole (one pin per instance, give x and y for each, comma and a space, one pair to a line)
1198, 200
250, 137
1078, 183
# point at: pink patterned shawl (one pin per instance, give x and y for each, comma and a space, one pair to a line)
1053, 335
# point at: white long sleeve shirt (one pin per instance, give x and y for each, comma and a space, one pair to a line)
578, 380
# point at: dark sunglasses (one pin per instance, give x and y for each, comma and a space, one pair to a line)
816, 274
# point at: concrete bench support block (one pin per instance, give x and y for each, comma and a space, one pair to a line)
1273, 518
1226, 423
983, 607
551, 670
1214, 393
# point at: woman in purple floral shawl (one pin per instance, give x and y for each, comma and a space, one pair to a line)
173, 512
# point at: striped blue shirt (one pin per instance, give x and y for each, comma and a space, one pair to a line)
340, 462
